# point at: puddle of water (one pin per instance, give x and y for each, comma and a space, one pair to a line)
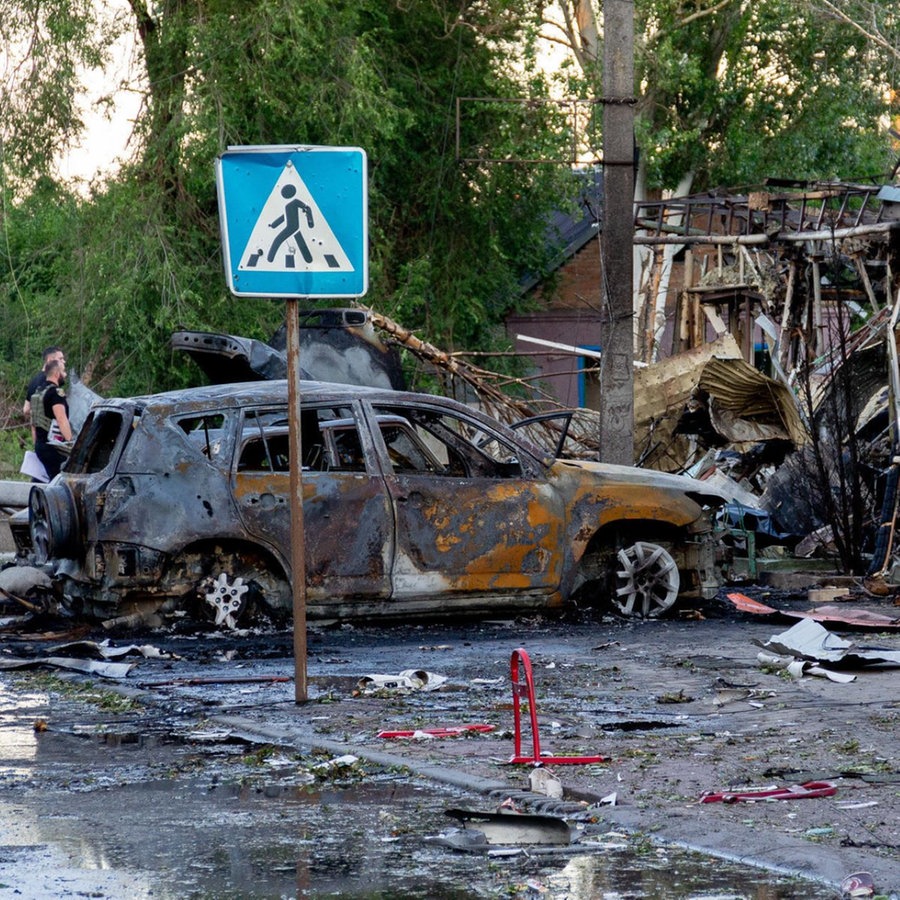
18, 746
674, 874
259, 839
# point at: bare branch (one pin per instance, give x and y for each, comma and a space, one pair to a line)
869, 35
703, 13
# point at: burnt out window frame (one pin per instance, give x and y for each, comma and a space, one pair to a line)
415, 458
262, 424
344, 450
90, 453
477, 462
275, 456
210, 447
259, 427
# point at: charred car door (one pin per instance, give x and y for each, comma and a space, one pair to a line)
348, 522
475, 513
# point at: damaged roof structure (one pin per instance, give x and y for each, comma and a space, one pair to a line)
799, 286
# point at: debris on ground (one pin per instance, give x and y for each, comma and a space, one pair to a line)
839, 614
335, 765
809, 790
797, 668
809, 640
23, 580
89, 657
87, 666
860, 884
431, 733
103, 650
511, 828
543, 781
407, 680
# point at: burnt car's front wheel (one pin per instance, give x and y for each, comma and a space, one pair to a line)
53, 522
646, 580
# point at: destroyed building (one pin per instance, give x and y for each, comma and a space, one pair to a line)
764, 326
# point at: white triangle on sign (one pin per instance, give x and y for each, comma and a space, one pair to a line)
291, 234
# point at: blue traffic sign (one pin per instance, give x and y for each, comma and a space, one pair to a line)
294, 221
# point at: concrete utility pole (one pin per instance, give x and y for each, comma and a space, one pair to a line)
616, 240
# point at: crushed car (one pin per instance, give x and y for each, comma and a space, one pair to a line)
413, 505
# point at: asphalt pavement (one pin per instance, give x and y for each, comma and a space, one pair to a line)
639, 722
643, 721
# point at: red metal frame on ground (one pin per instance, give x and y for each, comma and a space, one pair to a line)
526, 690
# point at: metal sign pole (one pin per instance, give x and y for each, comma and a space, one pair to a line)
319, 196
298, 537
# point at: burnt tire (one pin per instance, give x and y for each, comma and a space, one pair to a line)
53, 520
205, 577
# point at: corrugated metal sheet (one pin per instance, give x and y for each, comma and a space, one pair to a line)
661, 394
756, 407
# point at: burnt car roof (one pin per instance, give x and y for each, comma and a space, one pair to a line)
250, 392
255, 393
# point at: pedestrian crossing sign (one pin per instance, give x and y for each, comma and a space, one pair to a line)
294, 221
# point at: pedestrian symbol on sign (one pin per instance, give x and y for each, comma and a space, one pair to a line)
289, 224
291, 219
294, 221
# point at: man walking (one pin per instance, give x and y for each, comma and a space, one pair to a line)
50, 418
39, 381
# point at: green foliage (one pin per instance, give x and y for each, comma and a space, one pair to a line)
754, 90
112, 275
447, 242
82, 692
48, 45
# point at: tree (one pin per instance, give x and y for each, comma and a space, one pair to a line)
731, 92
877, 22
448, 242
48, 47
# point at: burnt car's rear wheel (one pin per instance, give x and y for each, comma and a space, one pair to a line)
242, 584
227, 599
53, 521
646, 580
229, 584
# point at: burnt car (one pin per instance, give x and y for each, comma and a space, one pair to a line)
413, 505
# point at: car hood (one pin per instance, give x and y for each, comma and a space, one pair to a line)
650, 478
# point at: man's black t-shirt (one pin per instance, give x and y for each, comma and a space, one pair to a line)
47, 453
53, 396
37, 382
